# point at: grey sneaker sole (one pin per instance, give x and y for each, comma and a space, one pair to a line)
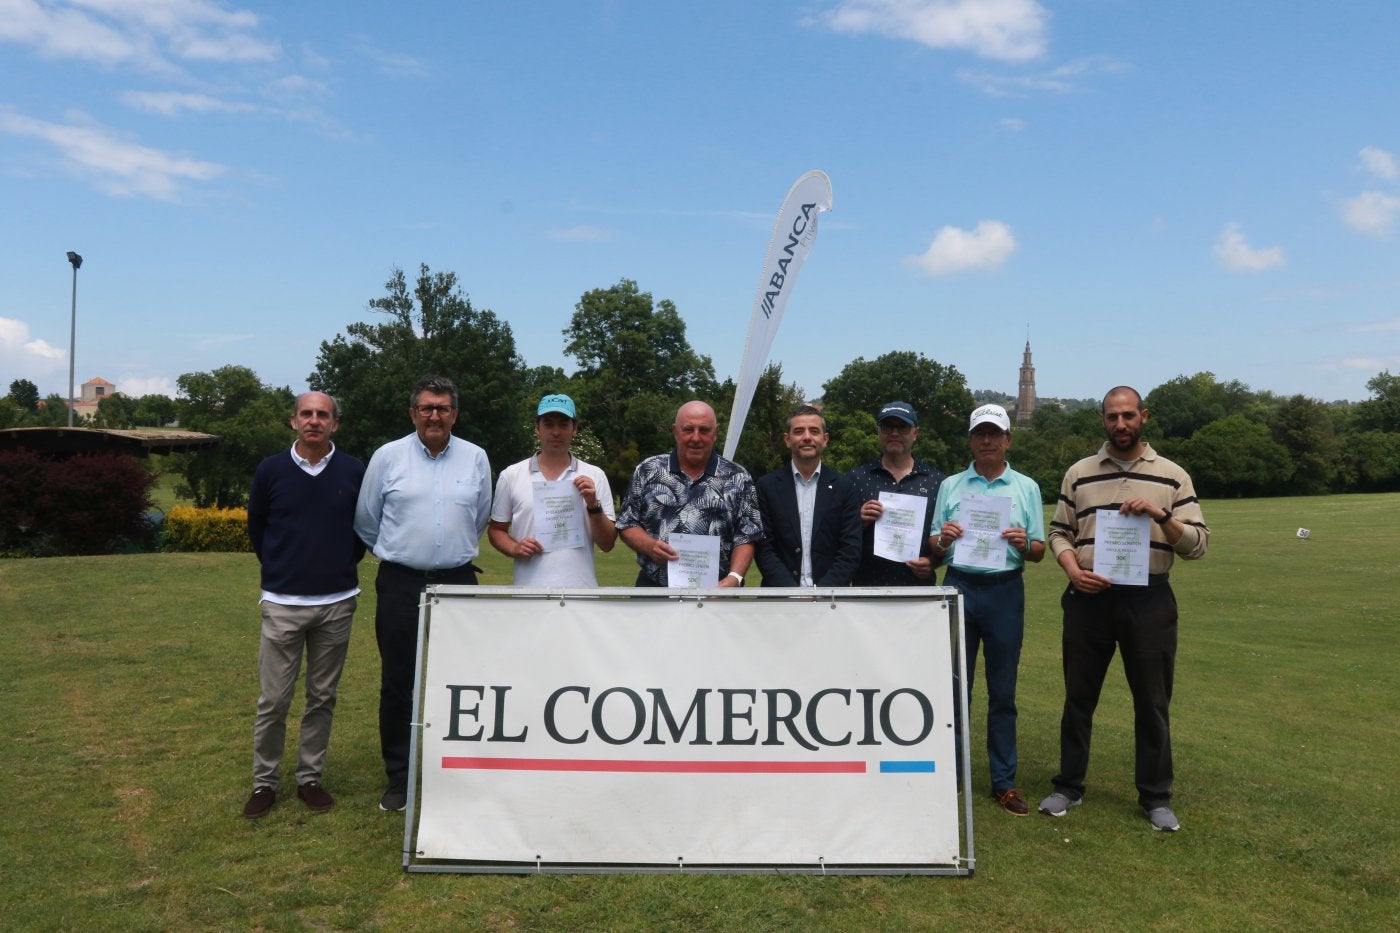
1055, 809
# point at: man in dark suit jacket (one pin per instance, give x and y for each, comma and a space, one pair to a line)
810, 539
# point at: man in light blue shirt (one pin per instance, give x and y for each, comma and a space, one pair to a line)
994, 602
424, 503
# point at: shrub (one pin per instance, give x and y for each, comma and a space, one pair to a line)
191, 529
86, 504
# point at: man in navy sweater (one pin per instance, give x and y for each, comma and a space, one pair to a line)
301, 512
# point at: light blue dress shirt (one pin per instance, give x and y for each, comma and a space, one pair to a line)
421, 511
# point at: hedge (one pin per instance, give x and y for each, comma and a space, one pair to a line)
191, 529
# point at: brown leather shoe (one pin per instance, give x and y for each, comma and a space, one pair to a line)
257, 806
315, 796
1011, 801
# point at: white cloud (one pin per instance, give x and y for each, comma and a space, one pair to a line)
1068, 78
1379, 163
1233, 252
581, 233
1006, 30
1371, 327
1371, 212
25, 357
140, 34
172, 103
954, 249
1012, 124
113, 164
137, 386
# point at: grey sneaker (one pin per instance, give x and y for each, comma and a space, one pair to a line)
1058, 804
394, 799
1163, 819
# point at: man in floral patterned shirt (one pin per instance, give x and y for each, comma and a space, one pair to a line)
690, 490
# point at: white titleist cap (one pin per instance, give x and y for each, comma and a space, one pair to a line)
989, 414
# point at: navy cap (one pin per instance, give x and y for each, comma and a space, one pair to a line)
901, 410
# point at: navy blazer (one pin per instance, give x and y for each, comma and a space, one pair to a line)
836, 531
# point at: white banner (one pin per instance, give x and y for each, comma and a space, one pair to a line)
661, 730
793, 235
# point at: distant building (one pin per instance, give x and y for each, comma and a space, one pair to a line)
93, 392
1025, 395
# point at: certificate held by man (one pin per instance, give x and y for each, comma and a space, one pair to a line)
1121, 544
558, 515
983, 519
696, 563
899, 529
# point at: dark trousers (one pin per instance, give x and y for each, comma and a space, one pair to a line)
400, 590
1140, 621
994, 618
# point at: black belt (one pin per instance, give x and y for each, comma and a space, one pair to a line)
983, 579
437, 574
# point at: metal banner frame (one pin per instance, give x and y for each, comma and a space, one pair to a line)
540, 614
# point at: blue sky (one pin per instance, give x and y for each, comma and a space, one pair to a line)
1145, 189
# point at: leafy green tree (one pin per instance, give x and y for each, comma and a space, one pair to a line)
155, 411
1303, 426
11, 414
636, 367
250, 418
1054, 439
432, 329
1236, 457
25, 394
53, 413
1381, 412
1373, 459
938, 393
1182, 406
115, 411
854, 439
761, 446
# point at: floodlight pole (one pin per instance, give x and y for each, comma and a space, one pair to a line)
77, 261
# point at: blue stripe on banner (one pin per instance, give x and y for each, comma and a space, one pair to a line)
906, 767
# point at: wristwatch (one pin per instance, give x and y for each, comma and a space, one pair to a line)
593, 509
1166, 517
738, 578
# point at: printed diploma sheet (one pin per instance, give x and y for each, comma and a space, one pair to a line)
900, 528
1121, 546
698, 563
983, 519
558, 521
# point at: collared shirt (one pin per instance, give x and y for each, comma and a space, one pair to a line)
661, 500
806, 507
515, 504
307, 465
866, 482
1027, 509
422, 511
1098, 482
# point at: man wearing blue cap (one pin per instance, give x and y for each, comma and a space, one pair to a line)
577, 494
897, 471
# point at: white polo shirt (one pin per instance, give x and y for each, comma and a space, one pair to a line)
515, 503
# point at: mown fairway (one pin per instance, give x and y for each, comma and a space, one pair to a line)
129, 685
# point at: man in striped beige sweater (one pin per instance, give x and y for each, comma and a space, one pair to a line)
1100, 616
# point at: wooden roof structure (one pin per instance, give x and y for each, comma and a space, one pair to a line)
140, 442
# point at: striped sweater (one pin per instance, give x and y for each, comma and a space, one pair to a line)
1098, 482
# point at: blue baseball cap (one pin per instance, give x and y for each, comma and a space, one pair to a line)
556, 403
901, 410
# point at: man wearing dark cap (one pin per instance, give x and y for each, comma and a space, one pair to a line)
897, 471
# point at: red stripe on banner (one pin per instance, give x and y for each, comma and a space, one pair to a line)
647, 765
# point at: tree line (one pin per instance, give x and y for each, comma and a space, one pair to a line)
635, 366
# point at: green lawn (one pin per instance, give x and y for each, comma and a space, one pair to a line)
129, 684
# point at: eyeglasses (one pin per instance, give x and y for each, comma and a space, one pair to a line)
895, 427
427, 411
